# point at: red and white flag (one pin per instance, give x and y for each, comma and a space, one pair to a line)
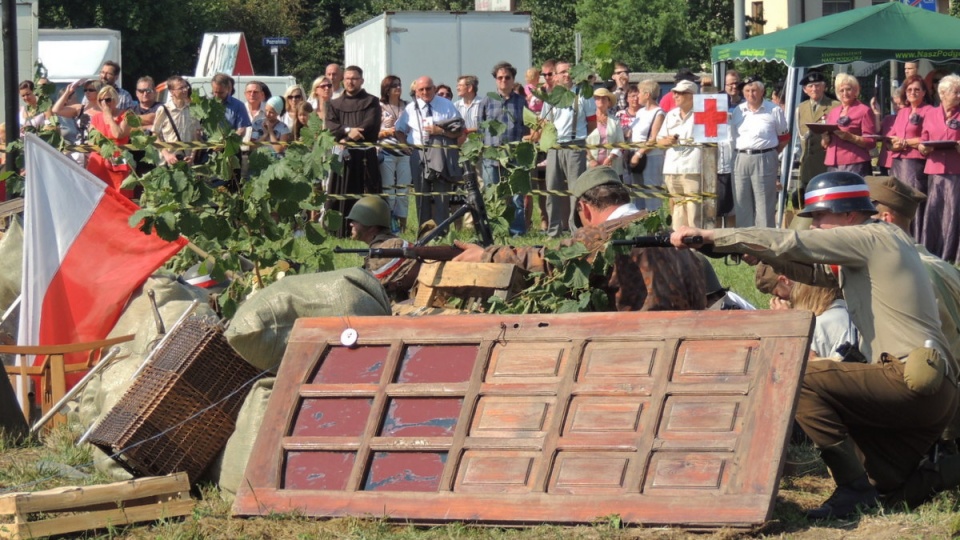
81, 258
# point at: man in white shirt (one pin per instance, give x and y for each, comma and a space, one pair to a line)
573, 125
759, 131
420, 124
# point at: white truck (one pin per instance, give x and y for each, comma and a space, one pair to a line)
441, 45
26, 50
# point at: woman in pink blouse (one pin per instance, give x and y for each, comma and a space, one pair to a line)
908, 162
848, 149
941, 230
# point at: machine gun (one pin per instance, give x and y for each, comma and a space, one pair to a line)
475, 206
428, 253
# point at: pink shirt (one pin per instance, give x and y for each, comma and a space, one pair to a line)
861, 122
909, 125
938, 128
667, 102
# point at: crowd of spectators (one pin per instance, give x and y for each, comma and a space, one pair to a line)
914, 141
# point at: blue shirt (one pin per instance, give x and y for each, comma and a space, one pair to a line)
508, 112
236, 114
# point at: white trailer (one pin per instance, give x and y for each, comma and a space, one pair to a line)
78, 53
26, 50
441, 45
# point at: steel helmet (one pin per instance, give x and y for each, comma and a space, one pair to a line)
370, 210
837, 192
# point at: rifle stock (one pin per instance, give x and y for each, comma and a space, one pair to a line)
429, 253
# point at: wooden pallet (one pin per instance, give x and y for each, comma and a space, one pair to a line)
73, 509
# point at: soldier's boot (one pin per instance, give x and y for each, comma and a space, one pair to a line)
928, 479
854, 491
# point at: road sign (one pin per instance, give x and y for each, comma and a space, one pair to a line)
275, 41
929, 5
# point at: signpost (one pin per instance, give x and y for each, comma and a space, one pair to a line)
275, 43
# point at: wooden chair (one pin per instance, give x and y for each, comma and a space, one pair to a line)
53, 371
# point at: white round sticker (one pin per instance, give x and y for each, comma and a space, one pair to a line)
348, 337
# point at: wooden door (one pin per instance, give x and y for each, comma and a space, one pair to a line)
665, 418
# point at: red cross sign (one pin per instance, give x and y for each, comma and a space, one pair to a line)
709, 117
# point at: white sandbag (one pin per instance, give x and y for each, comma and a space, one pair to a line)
229, 467
261, 327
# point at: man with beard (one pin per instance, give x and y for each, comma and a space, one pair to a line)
354, 117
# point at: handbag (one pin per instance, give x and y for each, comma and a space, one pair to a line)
639, 167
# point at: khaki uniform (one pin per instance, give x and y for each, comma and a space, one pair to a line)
946, 287
891, 302
396, 275
812, 154
648, 279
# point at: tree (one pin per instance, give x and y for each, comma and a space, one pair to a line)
553, 28
649, 35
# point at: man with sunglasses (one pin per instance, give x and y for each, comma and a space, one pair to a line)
354, 117
146, 107
508, 111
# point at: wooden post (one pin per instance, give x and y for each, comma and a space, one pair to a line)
708, 185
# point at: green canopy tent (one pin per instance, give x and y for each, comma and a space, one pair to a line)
890, 31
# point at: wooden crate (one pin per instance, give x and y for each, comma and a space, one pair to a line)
471, 283
73, 509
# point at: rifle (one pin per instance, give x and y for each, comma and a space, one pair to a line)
429, 253
661, 239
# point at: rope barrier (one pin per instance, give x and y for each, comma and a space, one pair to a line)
201, 145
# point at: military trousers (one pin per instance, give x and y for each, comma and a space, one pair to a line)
892, 425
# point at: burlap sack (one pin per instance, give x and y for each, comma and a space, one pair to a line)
11, 263
261, 327
229, 467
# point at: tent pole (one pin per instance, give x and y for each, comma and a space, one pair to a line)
786, 166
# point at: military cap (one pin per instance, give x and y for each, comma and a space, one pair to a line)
900, 197
594, 177
812, 77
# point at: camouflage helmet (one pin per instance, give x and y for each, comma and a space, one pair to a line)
370, 210
837, 192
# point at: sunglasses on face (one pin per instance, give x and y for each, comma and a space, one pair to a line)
548, 74
107, 100
505, 78
295, 96
325, 86
445, 94
144, 90
88, 90
396, 85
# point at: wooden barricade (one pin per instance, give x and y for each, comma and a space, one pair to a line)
53, 371
73, 509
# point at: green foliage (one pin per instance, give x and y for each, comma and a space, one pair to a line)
574, 276
553, 28
263, 222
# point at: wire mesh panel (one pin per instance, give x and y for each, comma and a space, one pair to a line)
179, 412
674, 418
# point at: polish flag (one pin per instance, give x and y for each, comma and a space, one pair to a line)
81, 258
